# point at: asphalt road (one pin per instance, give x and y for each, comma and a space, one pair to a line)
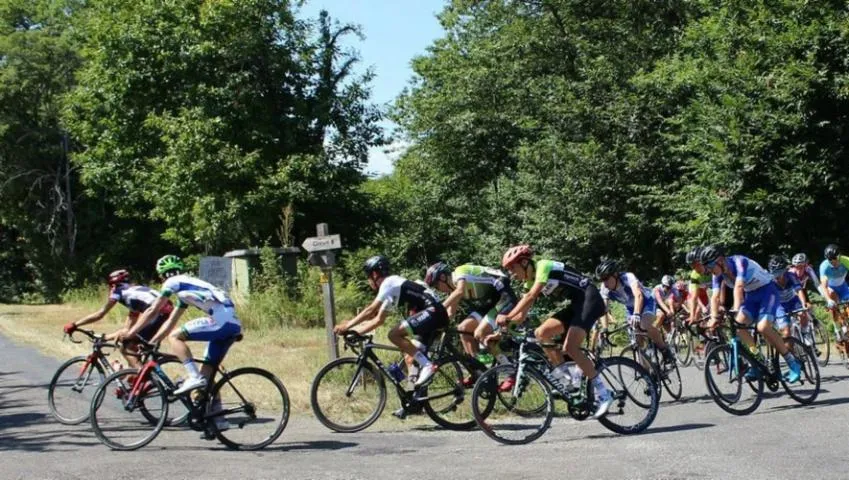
691, 438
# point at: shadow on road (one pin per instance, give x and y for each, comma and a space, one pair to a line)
313, 445
45, 441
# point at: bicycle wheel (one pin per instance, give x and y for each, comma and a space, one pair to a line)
347, 397
821, 343
725, 378
178, 412
446, 402
682, 345
115, 411
248, 409
72, 388
639, 356
670, 377
806, 390
499, 420
627, 381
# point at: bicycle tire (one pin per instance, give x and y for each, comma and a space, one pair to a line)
51, 390
98, 401
821, 343
376, 377
484, 391
227, 381
459, 401
719, 357
671, 379
639, 356
182, 418
683, 342
611, 372
810, 372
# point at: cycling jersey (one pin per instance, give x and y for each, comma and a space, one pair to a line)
396, 291
561, 281
198, 293
673, 293
487, 292
791, 287
624, 294
738, 266
137, 298
807, 274
836, 276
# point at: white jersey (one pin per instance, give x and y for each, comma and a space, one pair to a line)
397, 291
196, 292
137, 298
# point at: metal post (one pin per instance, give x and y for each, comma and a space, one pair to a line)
329, 300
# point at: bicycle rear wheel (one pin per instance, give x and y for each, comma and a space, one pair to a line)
627, 381
115, 411
347, 397
446, 401
507, 420
639, 356
682, 345
725, 378
248, 409
806, 390
821, 343
72, 388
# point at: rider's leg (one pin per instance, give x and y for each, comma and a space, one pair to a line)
470, 324
550, 328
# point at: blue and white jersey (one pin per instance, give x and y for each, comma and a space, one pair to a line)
196, 292
754, 276
791, 287
836, 275
623, 293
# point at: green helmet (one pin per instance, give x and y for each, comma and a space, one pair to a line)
169, 263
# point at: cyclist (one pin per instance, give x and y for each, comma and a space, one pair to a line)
790, 294
755, 299
220, 327
833, 272
700, 280
668, 300
625, 288
804, 272
396, 291
487, 293
137, 299
559, 282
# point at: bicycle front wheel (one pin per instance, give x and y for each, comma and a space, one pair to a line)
72, 388
248, 409
638, 355
636, 400
116, 416
735, 384
347, 396
446, 402
682, 345
821, 343
508, 420
806, 390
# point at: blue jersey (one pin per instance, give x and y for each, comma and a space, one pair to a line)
624, 294
836, 275
791, 287
753, 275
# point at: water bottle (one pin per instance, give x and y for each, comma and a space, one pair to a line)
485, 358
575, 373
396, 372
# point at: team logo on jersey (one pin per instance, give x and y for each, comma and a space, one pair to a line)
584, 282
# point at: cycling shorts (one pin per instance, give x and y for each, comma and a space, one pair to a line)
219, 329
584, 309
150, 330
782, 313
426, 323
490, 312
760, 304
842, 292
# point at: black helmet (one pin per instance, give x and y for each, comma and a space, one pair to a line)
778, 264
606, 268
799, 259
709, 254
377, 263
693, 255
434, 271
832, 251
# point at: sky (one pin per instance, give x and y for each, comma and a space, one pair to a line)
395, 32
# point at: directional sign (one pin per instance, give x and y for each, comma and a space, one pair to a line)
319, 244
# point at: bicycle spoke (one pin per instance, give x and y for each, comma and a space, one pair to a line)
116, 411
71, 390
248, 422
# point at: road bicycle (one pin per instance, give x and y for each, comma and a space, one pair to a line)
679, 338
245, 409
525, 412
72, 386
813, 334
349, 394
643, 351
735, 375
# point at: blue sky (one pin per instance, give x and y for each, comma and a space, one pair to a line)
395, 31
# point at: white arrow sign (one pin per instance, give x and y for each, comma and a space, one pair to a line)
319, 244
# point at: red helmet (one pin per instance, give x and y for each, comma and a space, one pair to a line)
514, 254
118, 276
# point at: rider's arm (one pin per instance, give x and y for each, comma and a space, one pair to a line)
638, 297
368, 312
128, 323
453, 300
824, 287
96, 315
149, 315
375, 322
169, 324
717, 297
520, 311
739, 293
658, 300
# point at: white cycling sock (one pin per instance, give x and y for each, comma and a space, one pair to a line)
191, 368
422, 359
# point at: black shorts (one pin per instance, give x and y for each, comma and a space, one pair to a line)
497, 306
427, 322
149, 331
583, 310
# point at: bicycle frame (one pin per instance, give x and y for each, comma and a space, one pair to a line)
96, 355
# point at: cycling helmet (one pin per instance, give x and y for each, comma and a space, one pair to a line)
667, 281
434, 271
709, 254
169, 265
377, 263
693, 255
778, 264
832, 251
118, 276
514, 254
606, 268
799, 259
681, 285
